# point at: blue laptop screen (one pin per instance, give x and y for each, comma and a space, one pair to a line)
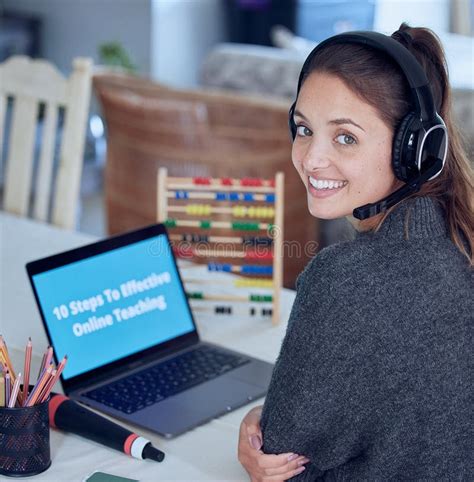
114, 304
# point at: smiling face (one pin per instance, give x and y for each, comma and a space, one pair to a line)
342, 149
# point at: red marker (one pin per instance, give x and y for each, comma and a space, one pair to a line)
69, 416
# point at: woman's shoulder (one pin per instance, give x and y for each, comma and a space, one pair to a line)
335, 273
339, 261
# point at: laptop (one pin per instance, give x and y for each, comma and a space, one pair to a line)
118, 309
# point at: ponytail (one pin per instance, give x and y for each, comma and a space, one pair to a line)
454, 187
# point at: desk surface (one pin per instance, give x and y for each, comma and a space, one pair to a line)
208, 452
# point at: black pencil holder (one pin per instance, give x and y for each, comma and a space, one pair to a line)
24, 440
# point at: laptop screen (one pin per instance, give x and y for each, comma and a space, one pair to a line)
113, 304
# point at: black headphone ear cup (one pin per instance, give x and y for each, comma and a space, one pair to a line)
291, 122
398, 166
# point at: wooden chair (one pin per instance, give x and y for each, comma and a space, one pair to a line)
32, 84
196, 133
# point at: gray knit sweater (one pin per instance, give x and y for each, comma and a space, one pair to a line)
374, 378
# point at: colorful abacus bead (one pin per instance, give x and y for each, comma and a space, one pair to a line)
183, 252
248, 181
195, 295
195, 238
261, 298
256, 269
257, 241
253, 283
223, 310
245, 226
202, 181
181, 195
225, 267
170, 223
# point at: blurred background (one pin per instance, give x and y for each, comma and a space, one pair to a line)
192, 67
169, 39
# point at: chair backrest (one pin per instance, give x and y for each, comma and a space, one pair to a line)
31, 84
195, 133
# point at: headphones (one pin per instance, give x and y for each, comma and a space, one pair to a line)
420, 143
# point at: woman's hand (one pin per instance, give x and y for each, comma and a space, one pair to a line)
262, 467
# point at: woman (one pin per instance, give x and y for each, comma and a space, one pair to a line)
372, 381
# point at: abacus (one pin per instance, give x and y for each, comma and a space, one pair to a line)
233, 208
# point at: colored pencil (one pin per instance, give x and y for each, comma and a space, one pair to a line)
43, 364
55, 378
6, 358
47, 387
7, 388
49, 356
32, 399
27, 368
11, 392
2, 391
15, 390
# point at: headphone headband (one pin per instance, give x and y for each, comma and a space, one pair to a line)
422, 98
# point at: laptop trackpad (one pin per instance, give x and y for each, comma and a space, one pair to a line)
198, 405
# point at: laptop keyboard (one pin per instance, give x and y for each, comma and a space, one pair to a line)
165, 379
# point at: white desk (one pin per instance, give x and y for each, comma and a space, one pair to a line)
208, 452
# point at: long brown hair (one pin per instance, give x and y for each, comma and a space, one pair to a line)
379, 81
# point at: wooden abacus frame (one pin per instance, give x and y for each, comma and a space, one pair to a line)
234, 192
